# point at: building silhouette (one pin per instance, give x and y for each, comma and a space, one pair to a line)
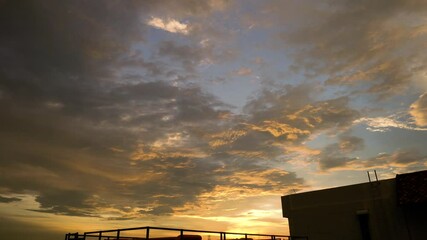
377, 210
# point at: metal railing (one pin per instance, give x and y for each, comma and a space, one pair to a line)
122, 234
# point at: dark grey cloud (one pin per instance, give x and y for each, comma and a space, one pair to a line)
9, 199
404, 160
65, 202
350, 143
70, 124
336, 155
160, 210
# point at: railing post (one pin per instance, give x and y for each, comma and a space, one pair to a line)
100, 235
246, 236
118, 235
147, 233
181, 236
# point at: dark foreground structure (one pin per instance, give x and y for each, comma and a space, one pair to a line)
393, 209
160, 233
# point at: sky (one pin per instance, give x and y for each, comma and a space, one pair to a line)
201, 114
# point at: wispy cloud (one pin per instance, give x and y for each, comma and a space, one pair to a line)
400, 160
169, 25
243, 71
384, 124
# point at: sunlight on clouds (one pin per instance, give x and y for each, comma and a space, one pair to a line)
278, 129
226, 137
171, 140
169, 25
173, 145
419, 111
257, 178
253, 214
383, 124
220, 193
311, 111
301, 150
146, 152
249, 154
359, 75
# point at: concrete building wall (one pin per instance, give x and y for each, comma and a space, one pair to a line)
367, 211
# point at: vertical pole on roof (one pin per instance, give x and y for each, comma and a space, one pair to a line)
369, 177
376, 177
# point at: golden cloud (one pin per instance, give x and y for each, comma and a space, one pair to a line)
419, 110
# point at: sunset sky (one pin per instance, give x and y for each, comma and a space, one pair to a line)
201, 114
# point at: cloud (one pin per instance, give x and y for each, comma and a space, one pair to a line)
335, 155
67, 111
357, 43
169, 25
383, 124
263, 181
9, 199
243, 71
160, 210
278, 122
400, 161
419, 111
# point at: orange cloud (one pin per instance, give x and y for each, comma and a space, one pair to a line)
419, 110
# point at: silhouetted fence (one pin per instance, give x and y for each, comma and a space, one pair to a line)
146, 233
